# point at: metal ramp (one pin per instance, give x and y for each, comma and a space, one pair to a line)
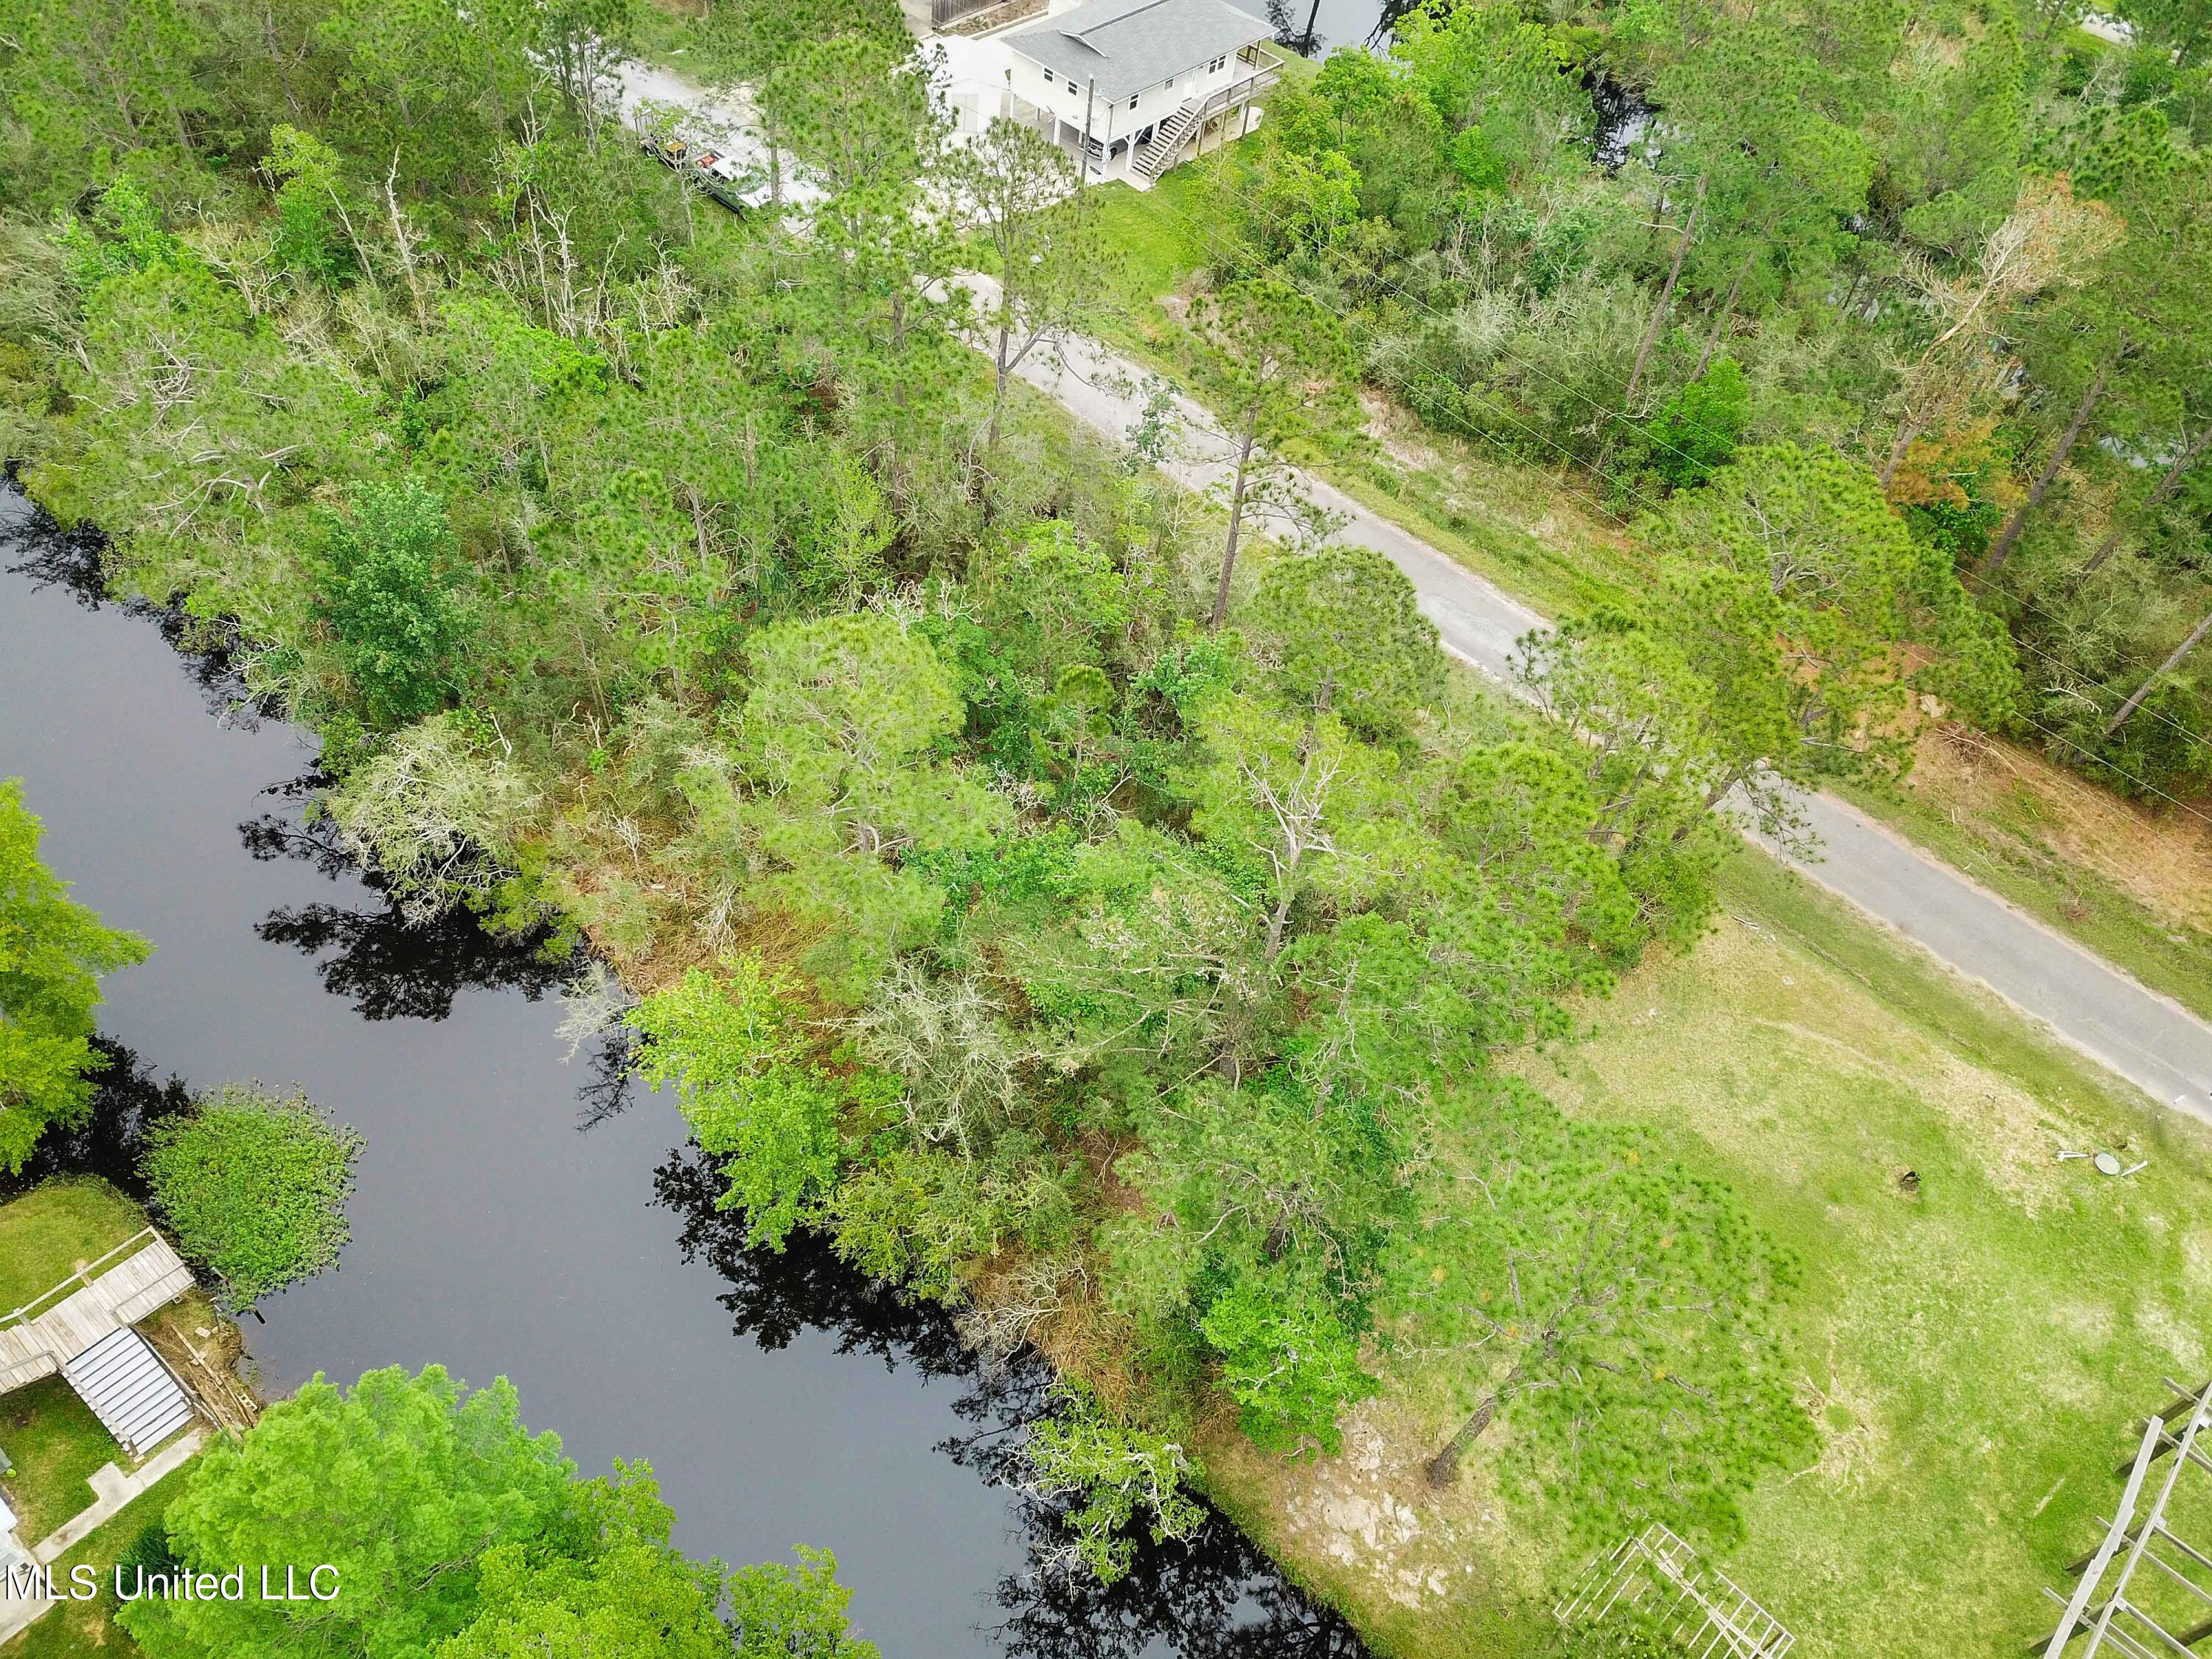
1692, 1606
2159, 1615
136, 1397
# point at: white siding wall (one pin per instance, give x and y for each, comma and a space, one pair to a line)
1154, 104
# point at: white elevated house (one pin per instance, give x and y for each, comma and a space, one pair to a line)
1140, 85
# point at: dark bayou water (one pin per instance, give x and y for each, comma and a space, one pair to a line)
518, 1214
1335, 22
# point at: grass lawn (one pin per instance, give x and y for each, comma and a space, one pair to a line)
55, 1443
1152, 228
77, 1629
1978, 1355
48, 1232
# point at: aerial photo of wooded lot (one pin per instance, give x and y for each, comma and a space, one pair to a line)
1068, 829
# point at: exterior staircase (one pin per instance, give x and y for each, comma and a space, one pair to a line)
1168, 139
136, 1397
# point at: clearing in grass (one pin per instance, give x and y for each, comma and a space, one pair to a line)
1975, 1346
56, 1228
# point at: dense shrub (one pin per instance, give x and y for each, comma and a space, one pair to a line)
253, 1188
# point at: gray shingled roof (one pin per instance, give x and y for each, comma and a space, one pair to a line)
1132, 45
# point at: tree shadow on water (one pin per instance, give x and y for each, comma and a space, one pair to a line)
128, 1099
388, 965
75, 561
1212, 1597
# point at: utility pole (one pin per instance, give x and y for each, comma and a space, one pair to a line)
1306, 47
1089, 97
2196, 638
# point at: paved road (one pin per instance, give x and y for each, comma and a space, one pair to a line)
2147, 1038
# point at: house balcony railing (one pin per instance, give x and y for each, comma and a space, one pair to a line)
1260, 69
1263, 67
980, 17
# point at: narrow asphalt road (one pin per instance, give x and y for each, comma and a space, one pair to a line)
2145, 1037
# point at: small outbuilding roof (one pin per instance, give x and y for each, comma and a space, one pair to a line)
1132, 45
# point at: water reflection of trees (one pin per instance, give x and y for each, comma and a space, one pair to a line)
1215, 1597
128, 1099
389, 967
72, 560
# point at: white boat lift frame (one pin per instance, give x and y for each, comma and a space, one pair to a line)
2102, 1607
1700, 1609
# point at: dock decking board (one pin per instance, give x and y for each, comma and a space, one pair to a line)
133, 1288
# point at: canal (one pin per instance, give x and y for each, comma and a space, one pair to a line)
519, 1213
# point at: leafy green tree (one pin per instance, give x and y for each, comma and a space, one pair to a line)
1494, 80
738, 1052
404, 1485
1777, 168
198, 461
1288, 1362
614, 1590
779, 1612
307, 172
1050, 599
429, 90
1952, 144
392, 600
1158, 957
1654, 751
1824, 583
1619, 1311
2145, 326
52, 951
1051, 263
1344, 632
113, 78
854, 111
580, 42
455, 1534
253, 1186
1271, 1201
1305, 209
836, 743
746, 41
1274, 365
1315, 813
1099, 1471
1523, 904
1699, 428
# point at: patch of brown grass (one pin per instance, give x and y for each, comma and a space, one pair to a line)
204, 1348
2163, 859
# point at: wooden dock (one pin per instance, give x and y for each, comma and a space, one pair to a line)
42, 1336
